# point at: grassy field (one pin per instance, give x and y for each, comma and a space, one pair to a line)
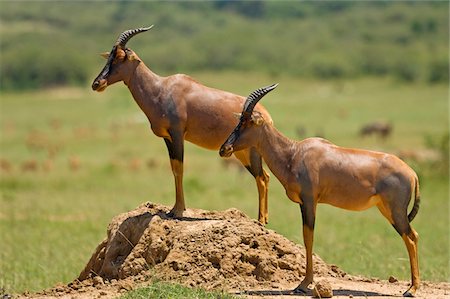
72, 159
160, 290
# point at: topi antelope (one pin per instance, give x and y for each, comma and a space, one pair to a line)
179, 108
316, 171
380, 128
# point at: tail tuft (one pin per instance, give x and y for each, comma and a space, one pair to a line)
416, 206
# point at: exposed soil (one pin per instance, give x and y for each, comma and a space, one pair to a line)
211, 250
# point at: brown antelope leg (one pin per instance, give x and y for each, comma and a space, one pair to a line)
176, 151
410, 237
411, 240
308, 217
262, 182
253, 162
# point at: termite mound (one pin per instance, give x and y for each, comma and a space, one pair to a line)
223, 250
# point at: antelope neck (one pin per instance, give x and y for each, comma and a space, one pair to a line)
277, 151
146, 88
143, 83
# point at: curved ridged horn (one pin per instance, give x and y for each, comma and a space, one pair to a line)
125, 36
254, 97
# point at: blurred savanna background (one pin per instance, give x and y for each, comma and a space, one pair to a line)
371, 75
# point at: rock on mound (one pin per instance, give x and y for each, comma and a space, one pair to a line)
208, 249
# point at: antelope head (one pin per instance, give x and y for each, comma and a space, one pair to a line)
243, 136
121, 61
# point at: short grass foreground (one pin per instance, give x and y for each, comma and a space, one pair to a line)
71, 159
168, 290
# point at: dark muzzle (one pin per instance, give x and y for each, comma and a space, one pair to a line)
226, 150
99, 85
95, 85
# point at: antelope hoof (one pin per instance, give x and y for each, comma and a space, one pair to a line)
263, 220
175, 213
410, 293
301, 289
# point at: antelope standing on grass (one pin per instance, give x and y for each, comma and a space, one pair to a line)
316, 171
179, 108
380, 128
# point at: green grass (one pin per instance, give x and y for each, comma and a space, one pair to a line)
51, 220
167, 290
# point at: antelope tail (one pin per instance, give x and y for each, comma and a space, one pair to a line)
415, 208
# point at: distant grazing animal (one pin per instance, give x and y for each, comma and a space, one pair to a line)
5, 165
380, 128
178, 109
74, 163
29, 165
316, 171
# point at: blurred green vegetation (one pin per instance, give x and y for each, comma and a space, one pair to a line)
56, 43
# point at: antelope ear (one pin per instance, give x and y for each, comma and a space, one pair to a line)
257, 118
131, 55
237, 115
105, 55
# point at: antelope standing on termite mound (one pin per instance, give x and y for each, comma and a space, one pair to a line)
179, 108
316, 171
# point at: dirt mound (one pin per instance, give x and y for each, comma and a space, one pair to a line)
213, 250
